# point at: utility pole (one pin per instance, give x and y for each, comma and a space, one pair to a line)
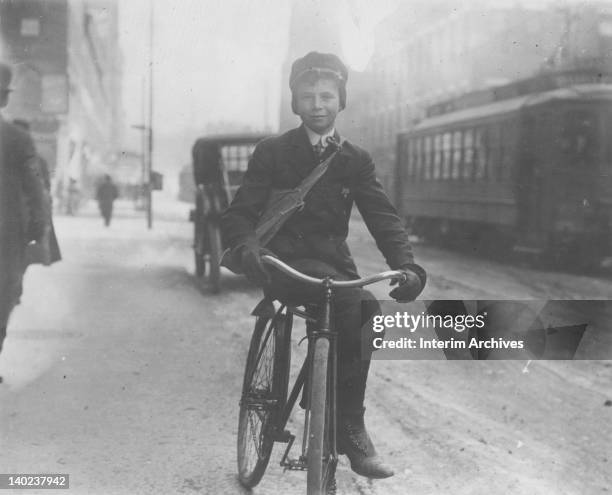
143, 142
150, 126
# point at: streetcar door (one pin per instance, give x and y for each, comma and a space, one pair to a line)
575, 177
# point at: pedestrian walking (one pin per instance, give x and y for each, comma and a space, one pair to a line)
23, 208
106, 194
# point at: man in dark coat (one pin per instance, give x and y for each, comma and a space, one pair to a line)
47, 251
21, 189
314, 239
106, 194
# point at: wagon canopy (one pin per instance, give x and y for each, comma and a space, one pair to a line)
207, 157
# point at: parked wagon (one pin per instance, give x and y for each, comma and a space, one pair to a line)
219, 163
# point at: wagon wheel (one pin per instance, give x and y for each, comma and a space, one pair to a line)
198, 249
216, 250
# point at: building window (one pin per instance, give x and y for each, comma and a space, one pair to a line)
30, 27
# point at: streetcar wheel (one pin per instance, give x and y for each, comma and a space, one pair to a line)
264, 391
320, 478
216, 250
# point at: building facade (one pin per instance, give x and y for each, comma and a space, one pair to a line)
67, 66
422, 59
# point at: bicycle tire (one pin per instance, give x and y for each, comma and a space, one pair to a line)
264, 390
321, 465
216, 249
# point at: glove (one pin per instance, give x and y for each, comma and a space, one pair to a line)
409, 289
252, 265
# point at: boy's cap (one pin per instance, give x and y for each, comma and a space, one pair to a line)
318, 62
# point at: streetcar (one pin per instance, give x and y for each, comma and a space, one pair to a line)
219, 163
526, 166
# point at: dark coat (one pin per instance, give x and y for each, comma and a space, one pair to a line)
20, 221
106, 194
320, 229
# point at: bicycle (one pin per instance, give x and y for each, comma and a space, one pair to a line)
266, 405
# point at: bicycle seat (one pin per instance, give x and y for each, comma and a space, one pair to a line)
264, 308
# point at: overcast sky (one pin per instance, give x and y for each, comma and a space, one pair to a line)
213, 60
220, 60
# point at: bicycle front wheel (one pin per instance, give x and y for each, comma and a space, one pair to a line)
264, 392
321, 457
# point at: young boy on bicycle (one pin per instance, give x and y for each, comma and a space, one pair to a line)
313, 240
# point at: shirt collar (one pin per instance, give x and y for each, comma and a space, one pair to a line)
314, 137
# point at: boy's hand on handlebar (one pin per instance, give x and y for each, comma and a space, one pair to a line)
413, 284
252, 265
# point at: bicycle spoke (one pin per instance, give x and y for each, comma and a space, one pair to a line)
260, 400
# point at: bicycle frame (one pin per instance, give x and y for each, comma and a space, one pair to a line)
323, 330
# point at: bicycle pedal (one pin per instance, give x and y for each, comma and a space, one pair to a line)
295, 465
285, 436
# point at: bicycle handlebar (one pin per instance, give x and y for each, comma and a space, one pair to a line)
360, 282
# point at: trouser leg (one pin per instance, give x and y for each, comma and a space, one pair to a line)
354, 307
354, 345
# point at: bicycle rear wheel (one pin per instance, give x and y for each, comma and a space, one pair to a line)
322, 460
264, 391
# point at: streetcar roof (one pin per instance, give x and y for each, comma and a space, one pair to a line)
584, 92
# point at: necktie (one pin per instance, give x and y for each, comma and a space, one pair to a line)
318, 149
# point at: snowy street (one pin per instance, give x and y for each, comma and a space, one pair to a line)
120, 372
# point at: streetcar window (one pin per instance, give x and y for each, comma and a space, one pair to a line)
456, 172
409, 153
405, 154
578, 140
480, 153
437, 156
508, 143
418, 156
493, 145
447, 154
468, 154
428, 158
